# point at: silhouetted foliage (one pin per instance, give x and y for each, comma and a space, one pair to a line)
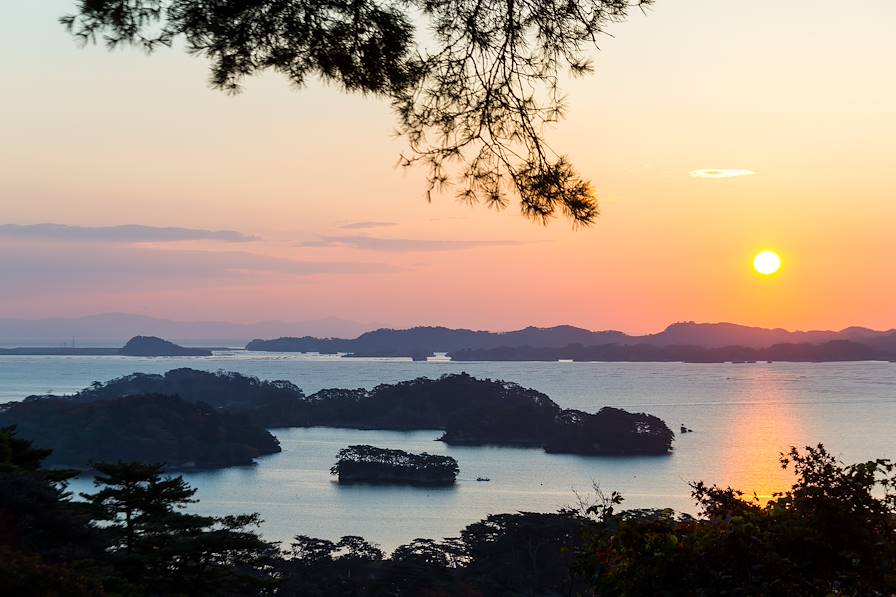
472, 94
369, 464
46, 544
310, 551
832, 533
525, 554
154, 544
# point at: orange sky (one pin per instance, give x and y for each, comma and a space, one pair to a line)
797, 92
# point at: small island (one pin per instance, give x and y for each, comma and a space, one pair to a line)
138, 346
369, 464
152, 346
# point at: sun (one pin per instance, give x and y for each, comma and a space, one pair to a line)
766, 262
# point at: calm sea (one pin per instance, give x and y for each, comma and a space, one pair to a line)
742, 416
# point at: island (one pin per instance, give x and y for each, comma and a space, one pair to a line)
149, 428
268, 403
369, 464
138, 346
466, 409
152, 346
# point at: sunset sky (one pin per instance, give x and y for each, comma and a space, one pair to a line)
321, 222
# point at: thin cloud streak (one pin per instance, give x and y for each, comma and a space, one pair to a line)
367, 225
405, 245
720, 173
91, 267
127, 233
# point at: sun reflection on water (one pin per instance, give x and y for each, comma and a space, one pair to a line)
760, 431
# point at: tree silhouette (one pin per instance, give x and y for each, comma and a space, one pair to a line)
154, 543
47, 545
472, 93
832, 533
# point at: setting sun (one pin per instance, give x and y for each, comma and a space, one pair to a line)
767, 262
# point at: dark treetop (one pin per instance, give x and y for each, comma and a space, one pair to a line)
369, 464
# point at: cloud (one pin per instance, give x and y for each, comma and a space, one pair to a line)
367, 225
128, 233
405, 245
45, 269
720, 173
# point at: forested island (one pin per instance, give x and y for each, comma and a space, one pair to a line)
369, 464
139, 427
831, 533
268, 403
467, 409
151, 346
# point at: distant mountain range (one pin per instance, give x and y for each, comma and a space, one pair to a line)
679, 341
420, 342
114, 328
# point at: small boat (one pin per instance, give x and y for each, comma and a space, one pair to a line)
483, 479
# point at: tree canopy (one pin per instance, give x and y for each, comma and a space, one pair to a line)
832, 533
153, 543
473, 84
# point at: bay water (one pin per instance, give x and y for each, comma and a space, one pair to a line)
742, 415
